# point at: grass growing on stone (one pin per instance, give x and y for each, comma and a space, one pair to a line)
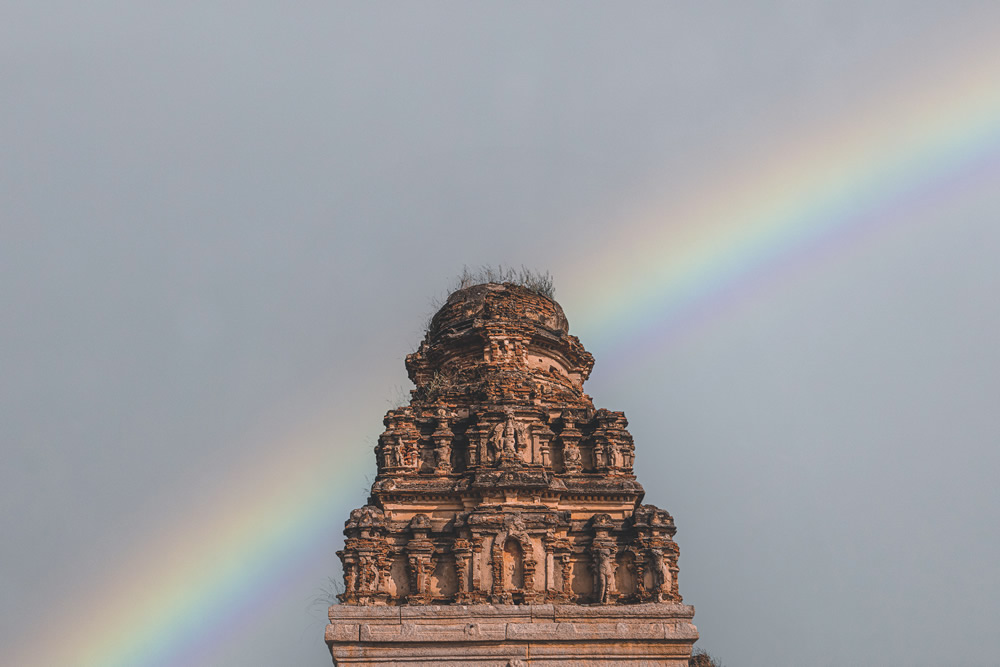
536, 281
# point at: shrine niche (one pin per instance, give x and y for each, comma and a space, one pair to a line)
500, 483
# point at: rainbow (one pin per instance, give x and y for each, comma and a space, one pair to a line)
921, 140
917, 145
184, 593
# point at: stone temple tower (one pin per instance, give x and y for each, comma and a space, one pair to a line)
506, 526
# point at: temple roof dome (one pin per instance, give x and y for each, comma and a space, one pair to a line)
492, 304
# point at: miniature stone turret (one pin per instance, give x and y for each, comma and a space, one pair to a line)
501, 484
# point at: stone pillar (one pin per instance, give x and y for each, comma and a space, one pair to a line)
463, 553
570, 438
419, 551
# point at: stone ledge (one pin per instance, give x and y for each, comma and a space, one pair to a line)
446, 612
436, 632
343, 612
645, 610
500, 636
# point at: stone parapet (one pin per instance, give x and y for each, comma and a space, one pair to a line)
637, 635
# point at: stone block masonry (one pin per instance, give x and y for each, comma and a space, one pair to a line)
507, 635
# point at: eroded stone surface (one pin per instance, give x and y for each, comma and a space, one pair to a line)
501, 486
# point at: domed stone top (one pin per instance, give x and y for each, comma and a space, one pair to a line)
500, 342
501, 304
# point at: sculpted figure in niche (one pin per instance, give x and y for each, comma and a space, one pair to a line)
605, 576
492, 446
571, 457
389, 454
571, 451
398, 449
442, 419
442, 456
612, 454
375, 578
369, 574
507, 438
442, 442
663, 575
350, 578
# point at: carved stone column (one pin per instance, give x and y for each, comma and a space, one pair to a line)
529, 564
477, 592
567, 580
570, 438
544, 435
350, 594
496, 570
549, 542
675, 595
442, 438
419, 551
473, 449
640, 573
462, 550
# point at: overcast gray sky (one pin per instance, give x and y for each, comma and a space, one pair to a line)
223, 226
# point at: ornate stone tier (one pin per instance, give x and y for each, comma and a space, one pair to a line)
508, 553
501, 344
501, 484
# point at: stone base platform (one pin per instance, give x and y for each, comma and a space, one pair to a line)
634, 635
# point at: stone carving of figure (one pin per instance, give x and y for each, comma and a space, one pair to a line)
398, 449
571, 456
442, 417
350, 578
605, 575
571, 450
608, 575
442, 442
376, 578
612, 454
369, 574
507, 438
663, 575
442, 455
416, 576
492, 446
